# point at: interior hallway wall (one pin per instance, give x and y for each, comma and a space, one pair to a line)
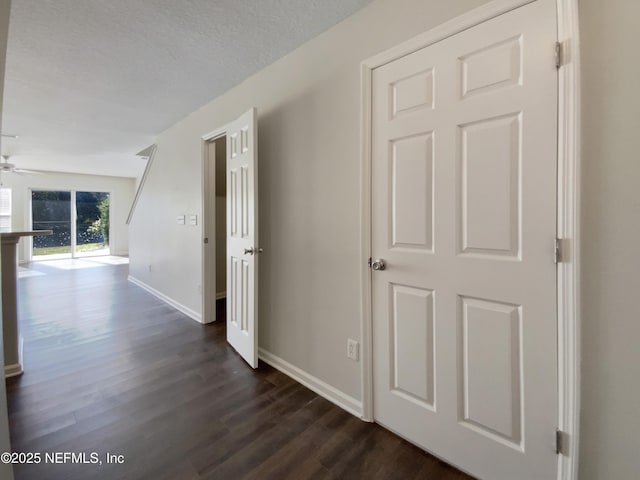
309, 172
310, 207
610, 33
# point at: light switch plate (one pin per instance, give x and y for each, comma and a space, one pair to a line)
180, 219
193, 219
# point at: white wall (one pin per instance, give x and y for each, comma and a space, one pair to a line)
309, 157
6, 470
121, 189
610, 34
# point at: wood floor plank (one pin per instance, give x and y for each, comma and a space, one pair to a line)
109, 368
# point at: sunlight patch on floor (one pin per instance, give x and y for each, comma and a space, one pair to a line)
109, 260
25, 272
80, 263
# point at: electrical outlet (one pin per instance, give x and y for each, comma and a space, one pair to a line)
352, 349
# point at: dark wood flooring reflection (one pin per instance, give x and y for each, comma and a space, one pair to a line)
110, 369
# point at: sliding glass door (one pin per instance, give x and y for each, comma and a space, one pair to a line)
51, 211
79, 220
92, 224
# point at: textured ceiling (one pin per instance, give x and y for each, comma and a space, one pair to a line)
91, 82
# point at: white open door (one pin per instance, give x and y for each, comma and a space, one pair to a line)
242, 237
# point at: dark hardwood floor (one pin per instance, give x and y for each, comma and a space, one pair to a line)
109, 368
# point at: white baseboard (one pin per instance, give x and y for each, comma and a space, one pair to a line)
169, 301
221, 295
13, 370
323, 389
16, 369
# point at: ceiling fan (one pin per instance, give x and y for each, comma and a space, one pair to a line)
6, 167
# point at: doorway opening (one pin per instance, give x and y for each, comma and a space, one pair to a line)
214, 229
79, 221
238, 264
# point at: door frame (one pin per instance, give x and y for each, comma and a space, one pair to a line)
208, 284
568, 210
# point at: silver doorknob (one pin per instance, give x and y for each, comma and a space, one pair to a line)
253, 251
378, 264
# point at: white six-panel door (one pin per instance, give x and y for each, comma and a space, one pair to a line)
464, 215
242, 237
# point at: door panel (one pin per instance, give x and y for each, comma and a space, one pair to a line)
463, 212
412, 192
492, 67
412, 344
490, 179
242, 237
491, 364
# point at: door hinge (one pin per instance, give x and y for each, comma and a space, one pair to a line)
559, 54
557, 251
561, 442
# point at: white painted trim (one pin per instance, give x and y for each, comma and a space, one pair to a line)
169, 301
569, 229
214, 135
208, 309
456, 25
208, 281
568, 208
221, 295
366, 338
16, 369
74, 224
341, 399
143, 179
13, 370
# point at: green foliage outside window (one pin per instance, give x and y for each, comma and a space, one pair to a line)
101, 225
